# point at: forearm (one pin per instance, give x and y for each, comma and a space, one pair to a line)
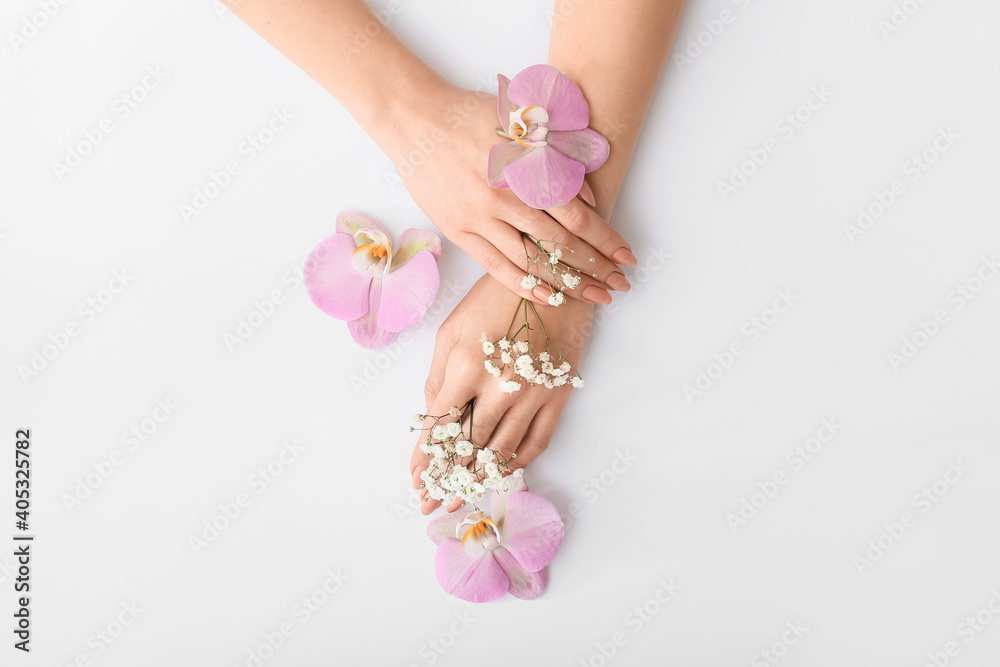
345, 48
615, 51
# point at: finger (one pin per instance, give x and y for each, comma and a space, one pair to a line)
514, 244
499, 265
539, 434
580, 219
449, 395
513, 426
444, 342
487, 411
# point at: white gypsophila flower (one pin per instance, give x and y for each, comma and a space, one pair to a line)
488, 347
542, 378
438, 452
564, 367
478, 489
559, 381
425, 448
504, 344
555, 256
440, 432
556, 372
504, 485
529, 373
529, 281
524, 361
454, 428
492, 368
437, 493
435, 464
521, 347
505, 358
426, 476
543, 356
557, 299
418, 418
484, 455
463, 448
571, 281
519, 472
510, 386
491, 470
455, 411
547, 367
549, 383
491, 482
577, 382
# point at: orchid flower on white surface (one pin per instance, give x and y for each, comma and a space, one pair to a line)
480, 558
358, 276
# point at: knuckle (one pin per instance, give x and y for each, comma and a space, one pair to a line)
490, 261
573, 218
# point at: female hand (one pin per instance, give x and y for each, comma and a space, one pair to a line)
522, 422
441, 153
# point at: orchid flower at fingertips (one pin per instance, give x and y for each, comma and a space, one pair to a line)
481, 558
379, 288
549, 147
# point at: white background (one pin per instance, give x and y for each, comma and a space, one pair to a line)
343, 504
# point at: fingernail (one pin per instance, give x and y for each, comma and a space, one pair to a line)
587, 195
596, 295
624, 256
541, 293
618, 282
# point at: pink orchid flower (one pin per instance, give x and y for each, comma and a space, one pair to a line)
480, 558
357, 276
545, 116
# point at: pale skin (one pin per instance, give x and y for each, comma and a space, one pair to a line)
403, 104
615, 51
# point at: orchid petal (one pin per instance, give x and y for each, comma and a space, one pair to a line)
498, 500
365, 330
523, 585
349, 222
332, 282
545, 178
547, 87
467, 577
444, 526
500, 156
408, 291
586, 146
504, 105
532, 530
413, 241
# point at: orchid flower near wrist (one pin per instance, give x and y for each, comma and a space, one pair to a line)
549, 147
359, 276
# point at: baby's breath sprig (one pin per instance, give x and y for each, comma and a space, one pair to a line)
547, 262
457, 467
514, 361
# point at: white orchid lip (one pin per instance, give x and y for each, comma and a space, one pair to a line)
371, 256
527, 126
478, 527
